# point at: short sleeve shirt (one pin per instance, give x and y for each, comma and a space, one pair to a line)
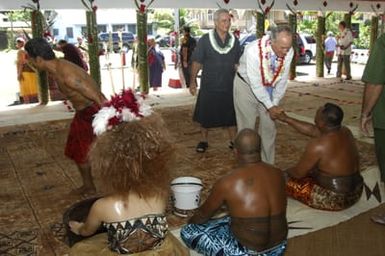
190, 44
218, 70
374, 73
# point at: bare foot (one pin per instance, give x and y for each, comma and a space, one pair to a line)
379, 218
83, 190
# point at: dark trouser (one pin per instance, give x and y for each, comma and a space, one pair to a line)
379, 142
328, 60
186, 74
345, 60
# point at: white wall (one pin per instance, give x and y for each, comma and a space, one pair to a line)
77, 18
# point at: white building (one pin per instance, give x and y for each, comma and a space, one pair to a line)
69, 24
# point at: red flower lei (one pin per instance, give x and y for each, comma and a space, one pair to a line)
277, 71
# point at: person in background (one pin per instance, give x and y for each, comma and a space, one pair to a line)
83, 47
187, 47
254, 194
26, 76
344, 43
330, 47
373, 106
72, 54
156, 64
217, 54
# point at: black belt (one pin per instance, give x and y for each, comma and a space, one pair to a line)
242, 78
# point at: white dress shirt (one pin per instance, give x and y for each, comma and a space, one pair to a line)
249, 69
345, 39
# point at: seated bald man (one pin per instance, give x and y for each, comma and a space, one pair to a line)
254, 194
327, 176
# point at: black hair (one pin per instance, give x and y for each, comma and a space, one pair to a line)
62, 41
332, 115
186, 29
342, 23
39, 47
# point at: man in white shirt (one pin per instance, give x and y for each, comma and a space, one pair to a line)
330, 47
261, 83
344, 40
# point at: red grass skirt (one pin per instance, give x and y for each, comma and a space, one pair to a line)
81, 134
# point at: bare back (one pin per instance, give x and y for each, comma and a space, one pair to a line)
76, 84
338, 153
256, 201
116, 208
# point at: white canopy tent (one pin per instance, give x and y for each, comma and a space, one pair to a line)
335, 5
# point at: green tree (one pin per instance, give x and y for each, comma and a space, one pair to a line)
363, 40
309, 25
15, 16
165, 20
18, 16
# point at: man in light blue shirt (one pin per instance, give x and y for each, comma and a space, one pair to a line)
330, 48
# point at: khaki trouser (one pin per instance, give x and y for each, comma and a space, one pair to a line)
247, 109
343, 60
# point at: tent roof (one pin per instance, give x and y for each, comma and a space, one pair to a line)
336, 5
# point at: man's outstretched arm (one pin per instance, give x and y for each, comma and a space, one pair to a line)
305, 128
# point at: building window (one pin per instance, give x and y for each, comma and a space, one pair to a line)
55, 31
102, 28
83, 30
70, 32
210, 15
149, 29
118, 27
131, 28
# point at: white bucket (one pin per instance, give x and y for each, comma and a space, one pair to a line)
186, 193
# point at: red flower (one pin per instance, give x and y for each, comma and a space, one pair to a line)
47, 34
94, 8
267, 10
113, 121
142, 8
